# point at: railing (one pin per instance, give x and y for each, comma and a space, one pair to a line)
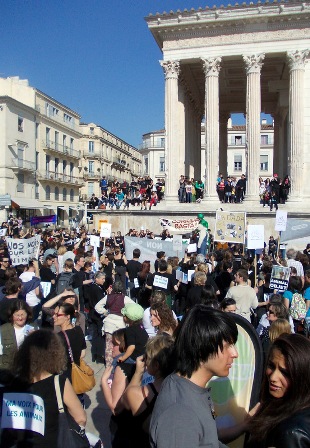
22, 164
92, 175
119, 162
61, 149
94, 154
146, 145
59, 118
62, 178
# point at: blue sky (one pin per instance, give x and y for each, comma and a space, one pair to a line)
97, 57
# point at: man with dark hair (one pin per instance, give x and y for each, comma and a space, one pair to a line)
183, 416
163, 281
243, 294
133, 267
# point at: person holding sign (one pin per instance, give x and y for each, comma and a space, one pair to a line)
163, 281
30, 401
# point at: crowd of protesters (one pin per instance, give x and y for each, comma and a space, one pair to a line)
142, 192
130, 311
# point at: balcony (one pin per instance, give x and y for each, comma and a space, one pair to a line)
91, 176
60, 149
57, 178
22, 165
92, 155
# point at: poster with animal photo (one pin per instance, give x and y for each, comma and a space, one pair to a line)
230, 227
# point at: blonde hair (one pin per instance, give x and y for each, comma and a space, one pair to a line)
200, 278
203, 267
279, 327
62, 250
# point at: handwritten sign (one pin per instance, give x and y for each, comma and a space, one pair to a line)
281, 220
105, 230
23, 250
279, 278
255, 236
23, 411
160, 282
230, 227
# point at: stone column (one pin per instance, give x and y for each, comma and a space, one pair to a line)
253, 66
223, 143
171, 70
212, 69
296, 61
277, 157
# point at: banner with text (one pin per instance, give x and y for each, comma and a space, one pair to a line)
230, 227
180, 225
23, 250
149, 248
50, 219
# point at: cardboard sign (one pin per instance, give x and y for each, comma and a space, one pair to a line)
279, 278
3, 231
105, 230
281, 220
160, 282
256, 238
230, 227
23, 411
23, 250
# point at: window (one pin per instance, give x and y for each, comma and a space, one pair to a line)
56, 194
264, 163
37, 160
20, 157
238, 140
71, 143
71, 195
91, 130
64, 141
91, 165
37, 130
47, 192
55, 111
90, 187
161, 164
146, 165
237, 162
56, 167
264, 139
56, 140
67, 118
47, 163
64, 194
47, 136
91, 147
162, 142
20, 124
20, 182
71, 170
64, 166
37, 191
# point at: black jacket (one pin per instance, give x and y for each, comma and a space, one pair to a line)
293, 432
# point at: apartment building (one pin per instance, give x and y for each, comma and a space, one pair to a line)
105, 154
152, 150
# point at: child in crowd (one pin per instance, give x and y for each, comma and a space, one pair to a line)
135, 335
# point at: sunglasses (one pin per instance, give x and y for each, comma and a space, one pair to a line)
270, 312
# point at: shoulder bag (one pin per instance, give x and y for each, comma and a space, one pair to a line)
70, 434
82, 376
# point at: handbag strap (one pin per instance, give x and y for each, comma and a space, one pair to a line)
58, 395
69, 347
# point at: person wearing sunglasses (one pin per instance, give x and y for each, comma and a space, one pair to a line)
275, 310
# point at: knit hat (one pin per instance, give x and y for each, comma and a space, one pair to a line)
133, 311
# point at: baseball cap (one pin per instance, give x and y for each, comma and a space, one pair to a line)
133, 311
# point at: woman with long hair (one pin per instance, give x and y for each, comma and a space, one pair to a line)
162, 318
144, 293
40, 357
283, 417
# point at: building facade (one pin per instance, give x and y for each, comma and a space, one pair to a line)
248, 59
104, 154
152, 150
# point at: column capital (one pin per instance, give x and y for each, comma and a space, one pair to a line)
211, 66
253, 63
171, 69
297, 59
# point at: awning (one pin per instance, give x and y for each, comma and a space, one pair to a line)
30, 204
62, 207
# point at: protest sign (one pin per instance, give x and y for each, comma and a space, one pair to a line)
23, 250
230, 227
255, 236
3, 231
23, 411
149, 248
50, 219
177, 242
281, 220
180, 225
46, 288
279, 278
105, 230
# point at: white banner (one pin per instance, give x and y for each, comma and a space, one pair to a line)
105, 230
281, 220
177, 242
255, 236
230, 227
180, 225
149, 248
23, 250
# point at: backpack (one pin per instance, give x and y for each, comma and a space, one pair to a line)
298, 308
64, 280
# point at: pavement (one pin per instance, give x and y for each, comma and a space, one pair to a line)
98, 413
